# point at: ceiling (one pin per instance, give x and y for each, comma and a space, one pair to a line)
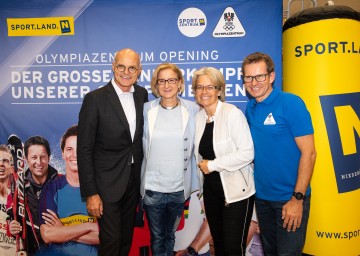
298, 5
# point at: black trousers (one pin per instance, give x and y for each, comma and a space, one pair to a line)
229, 224
117, 222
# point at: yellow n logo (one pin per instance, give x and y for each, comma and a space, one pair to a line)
341, 115
65, 26
348, 123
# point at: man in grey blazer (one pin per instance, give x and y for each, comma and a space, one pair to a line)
110, 152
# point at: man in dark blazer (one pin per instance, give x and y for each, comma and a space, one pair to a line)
110, 152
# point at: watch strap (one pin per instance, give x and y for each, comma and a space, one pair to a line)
191, 251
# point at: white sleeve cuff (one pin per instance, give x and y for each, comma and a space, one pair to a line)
211, 166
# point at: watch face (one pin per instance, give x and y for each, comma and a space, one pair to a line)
298, 195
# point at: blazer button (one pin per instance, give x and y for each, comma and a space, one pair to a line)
185, 169
185, 159
185, 139
185, 149
129, 163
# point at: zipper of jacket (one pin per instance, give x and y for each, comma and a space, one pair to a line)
243, 177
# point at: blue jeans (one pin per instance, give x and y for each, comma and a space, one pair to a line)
163, 211
276, 240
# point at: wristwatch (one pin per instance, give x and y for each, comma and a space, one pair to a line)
191, 251
299, 195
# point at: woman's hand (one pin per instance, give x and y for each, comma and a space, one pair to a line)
203, 166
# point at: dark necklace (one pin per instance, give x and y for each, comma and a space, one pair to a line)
169, 108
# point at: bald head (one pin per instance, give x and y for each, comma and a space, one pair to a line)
126, 68
127, 53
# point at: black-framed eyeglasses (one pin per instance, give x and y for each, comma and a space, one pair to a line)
5, 161
122, 68
170, 81
259, 78
207, 87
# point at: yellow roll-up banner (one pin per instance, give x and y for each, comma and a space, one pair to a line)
321, 64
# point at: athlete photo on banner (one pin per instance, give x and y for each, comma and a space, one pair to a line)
55, 52
7, 243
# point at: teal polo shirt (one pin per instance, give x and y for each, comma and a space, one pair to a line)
274, 124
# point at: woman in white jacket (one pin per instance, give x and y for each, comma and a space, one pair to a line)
224, 152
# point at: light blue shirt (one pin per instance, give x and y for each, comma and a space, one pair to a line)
164, 170
188, 109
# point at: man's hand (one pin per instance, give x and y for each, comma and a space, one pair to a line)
14, 227
181, 253
94, 205
51, 218
292, 214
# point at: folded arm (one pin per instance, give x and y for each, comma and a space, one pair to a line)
53, 231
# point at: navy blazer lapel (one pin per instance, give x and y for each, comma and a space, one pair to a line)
115, 102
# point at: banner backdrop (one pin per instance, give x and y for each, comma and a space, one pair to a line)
54, 52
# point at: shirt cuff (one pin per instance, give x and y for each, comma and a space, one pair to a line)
211, 166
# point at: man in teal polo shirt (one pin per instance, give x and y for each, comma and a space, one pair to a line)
285, 155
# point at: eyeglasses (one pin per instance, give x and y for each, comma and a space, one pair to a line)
170, 81
259, 78
206, 87
122, 68
5, 161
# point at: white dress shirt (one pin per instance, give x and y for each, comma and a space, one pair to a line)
127, 102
